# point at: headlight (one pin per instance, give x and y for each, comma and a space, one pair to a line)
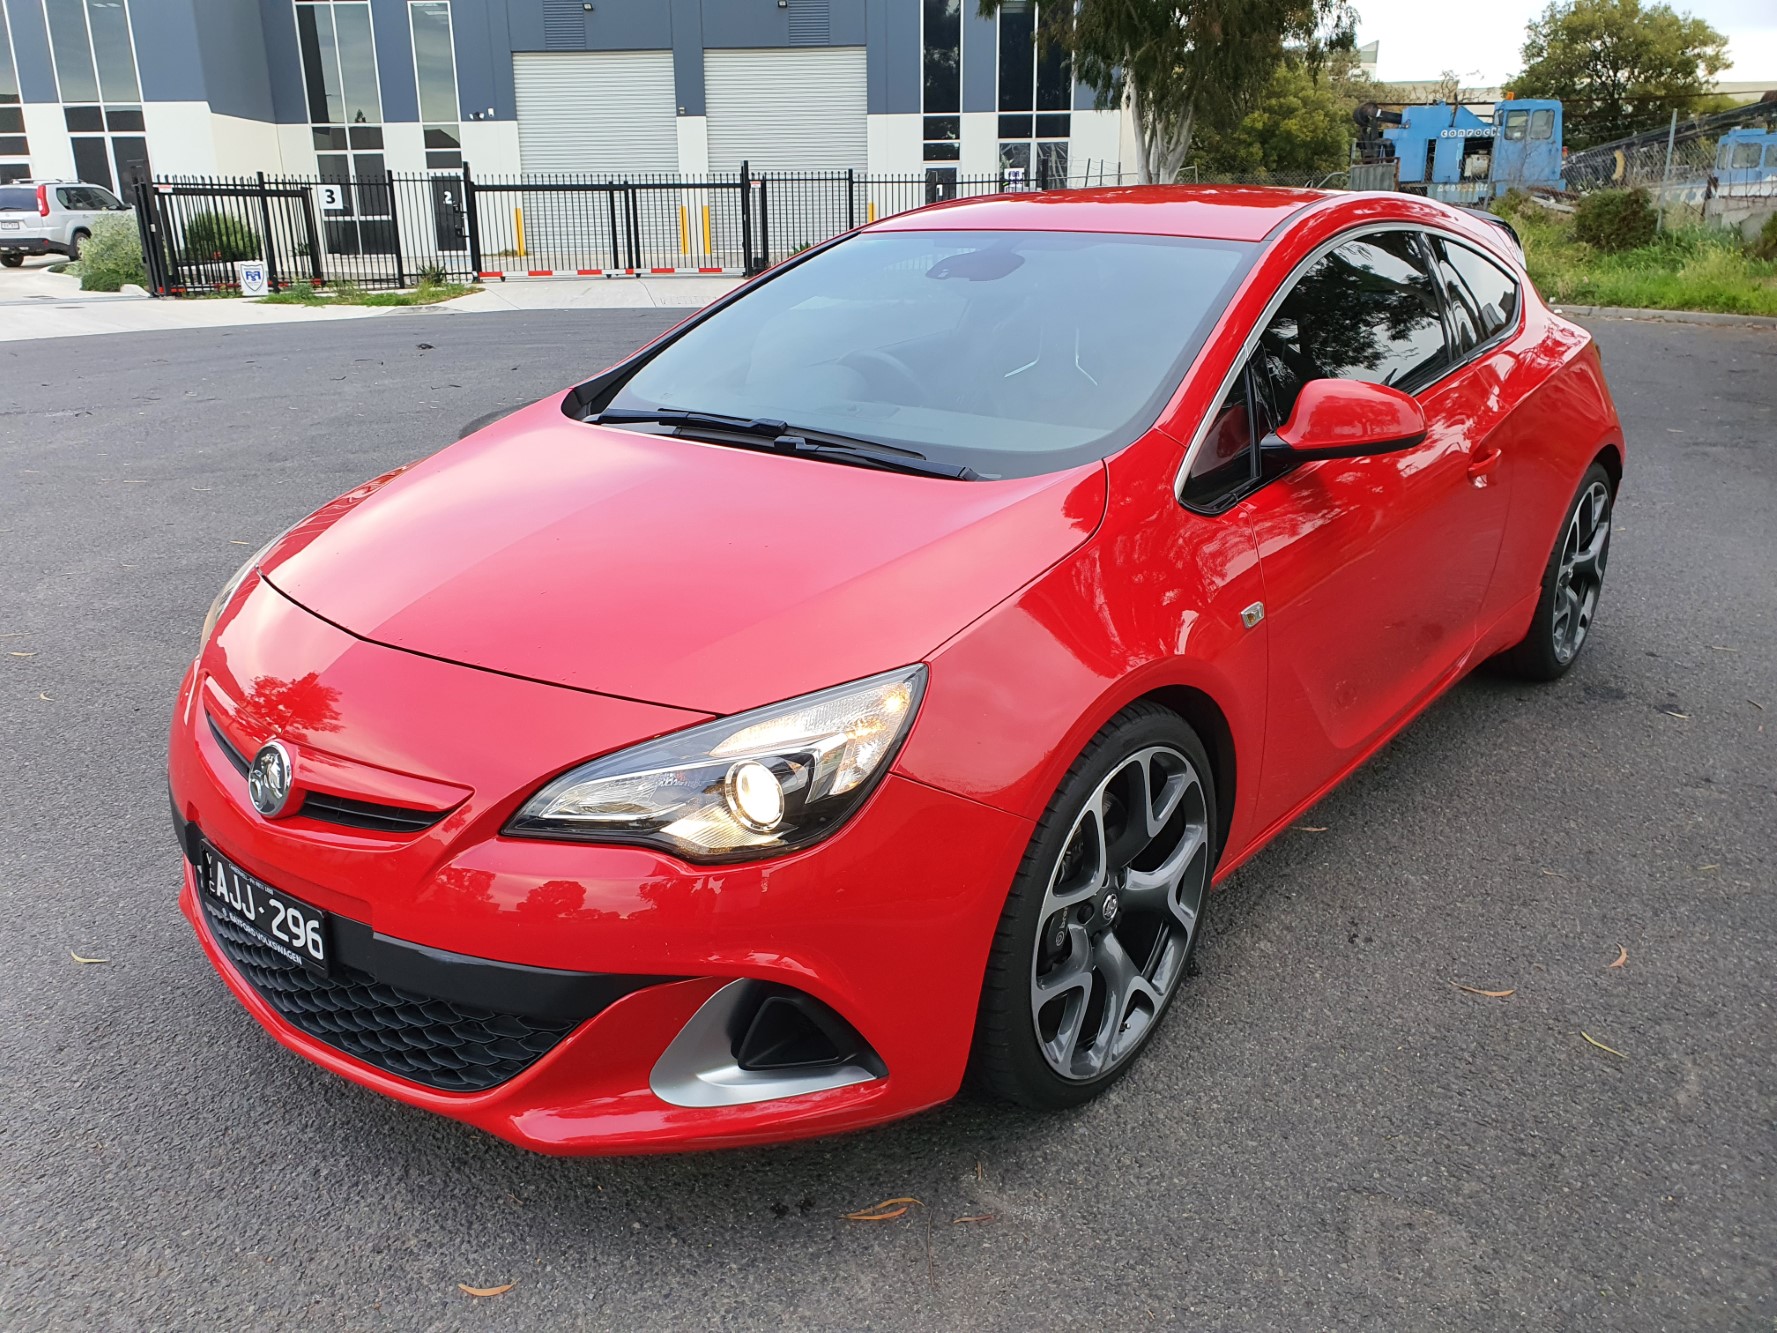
757, 783
230, 588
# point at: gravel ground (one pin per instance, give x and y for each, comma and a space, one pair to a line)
1327, 1134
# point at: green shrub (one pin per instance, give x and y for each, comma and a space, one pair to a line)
434, 275
1764, 245
220, 236
1614, 220
112, 255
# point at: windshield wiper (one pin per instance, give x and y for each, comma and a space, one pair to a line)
780, 437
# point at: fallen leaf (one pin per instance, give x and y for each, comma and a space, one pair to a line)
978, 1217
1490, 994
1556, 873
1601, 1046
46, 699
77, 958
1711, 866
886, 1211
19, 654
466, 1289
236, 541
1722, 648
1682, 717
1756, 704
1622, 957
1309, 828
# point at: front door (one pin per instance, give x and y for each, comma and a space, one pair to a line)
1375, 569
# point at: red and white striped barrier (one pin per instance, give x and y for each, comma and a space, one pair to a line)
503, 275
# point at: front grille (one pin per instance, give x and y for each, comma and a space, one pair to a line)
330, 809
439, 1043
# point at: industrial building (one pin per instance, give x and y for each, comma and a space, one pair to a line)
111, 91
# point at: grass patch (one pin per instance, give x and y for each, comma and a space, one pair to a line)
1688, 268
346, 293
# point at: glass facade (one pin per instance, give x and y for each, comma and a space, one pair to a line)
339, 79
1034, 98
13, 147
941, 94
94, 56
435, 71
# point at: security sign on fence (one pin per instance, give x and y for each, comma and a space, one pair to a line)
391, 229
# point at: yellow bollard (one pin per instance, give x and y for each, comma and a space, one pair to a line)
706, 230
684, 231
872, 212
518, 220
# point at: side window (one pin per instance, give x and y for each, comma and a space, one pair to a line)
1746, 155
1771, 155
1542, 124
102, 198
1367, 311
1494, 291
1225, 464
1516, 123
66, 198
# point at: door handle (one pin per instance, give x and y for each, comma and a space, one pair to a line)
1483, 463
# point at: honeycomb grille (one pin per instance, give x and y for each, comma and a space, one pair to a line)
438, 1043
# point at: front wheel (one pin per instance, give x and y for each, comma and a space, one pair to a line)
76, 243
1572, 582
1103, 915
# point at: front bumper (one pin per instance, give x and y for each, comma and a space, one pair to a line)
887, 923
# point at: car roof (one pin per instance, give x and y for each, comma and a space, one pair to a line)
1210, 212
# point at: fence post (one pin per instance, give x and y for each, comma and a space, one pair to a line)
395, 227
473, 216
746, 221
271, 251
1666, 177
851, 200
316, 274
153, 261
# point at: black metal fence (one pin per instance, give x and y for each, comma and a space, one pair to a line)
395, 230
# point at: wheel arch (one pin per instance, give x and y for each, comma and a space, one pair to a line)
1205, 716
1610, 457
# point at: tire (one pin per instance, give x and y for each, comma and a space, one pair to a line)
14, 260
1050, 972
1572, 582
76, 243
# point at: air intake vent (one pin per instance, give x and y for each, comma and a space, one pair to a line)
564, 25
811, 22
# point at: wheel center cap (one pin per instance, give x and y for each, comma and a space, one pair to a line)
1107, 910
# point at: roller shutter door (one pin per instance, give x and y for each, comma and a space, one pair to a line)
600, 112
791, 110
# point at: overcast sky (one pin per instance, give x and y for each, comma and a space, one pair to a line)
1420, 40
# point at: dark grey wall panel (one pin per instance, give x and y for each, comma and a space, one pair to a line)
729, 24
169, 63
687, 20
283, 61
231, 47
848, 24
611, 25
876, 55
980, 60
901, 68
480, 54
394, 60
30, 48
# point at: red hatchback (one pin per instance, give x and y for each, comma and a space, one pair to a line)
862, 685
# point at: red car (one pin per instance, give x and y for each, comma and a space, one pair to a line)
861, 686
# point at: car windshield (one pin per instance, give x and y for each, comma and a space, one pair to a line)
1014, 353
16, 198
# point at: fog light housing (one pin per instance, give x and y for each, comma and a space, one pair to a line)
755, 795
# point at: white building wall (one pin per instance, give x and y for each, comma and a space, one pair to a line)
180, 140
490, 147
981, 144
243, 147
52, 156
895, 145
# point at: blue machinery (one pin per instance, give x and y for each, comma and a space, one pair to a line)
1451, 153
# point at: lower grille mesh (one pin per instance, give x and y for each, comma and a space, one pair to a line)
441, 1044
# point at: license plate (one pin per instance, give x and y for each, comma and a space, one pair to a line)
10, 226
285, 924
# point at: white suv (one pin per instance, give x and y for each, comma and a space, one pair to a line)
50, 217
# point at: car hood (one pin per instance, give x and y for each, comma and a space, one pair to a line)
669, 571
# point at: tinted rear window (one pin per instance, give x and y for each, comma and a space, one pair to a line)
1014, 353
15, 197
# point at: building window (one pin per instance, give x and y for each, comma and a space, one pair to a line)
435, 69
345, 108
95, 66
941, 88
1035, 94
14, 151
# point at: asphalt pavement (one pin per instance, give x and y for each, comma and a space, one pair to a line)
1328, 1134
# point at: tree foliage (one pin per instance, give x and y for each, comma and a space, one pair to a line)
1618, 66
1180, 62
1300, 124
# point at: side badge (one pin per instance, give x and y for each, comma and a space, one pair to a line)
1253, 614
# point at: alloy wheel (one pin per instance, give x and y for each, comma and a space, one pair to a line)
1579, 576
1121, 907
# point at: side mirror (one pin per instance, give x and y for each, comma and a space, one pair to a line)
1349, 419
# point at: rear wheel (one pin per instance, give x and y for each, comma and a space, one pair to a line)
1103, 916
13, 260
1572, 582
